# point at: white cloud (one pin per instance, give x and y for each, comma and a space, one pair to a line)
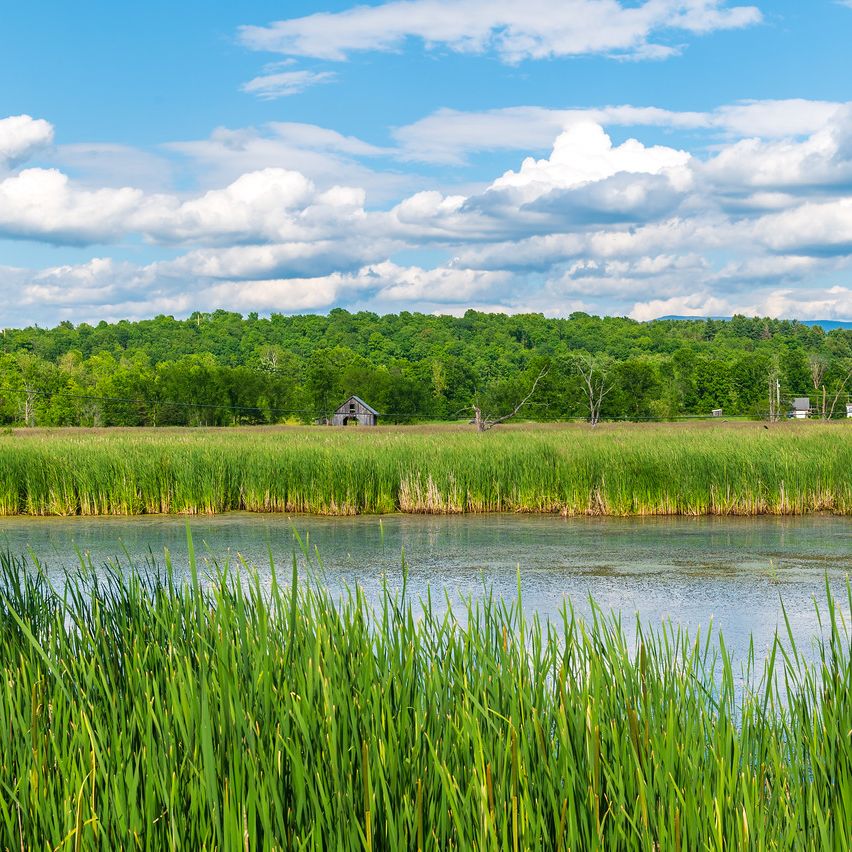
586, 181
810, 229
768, 270
98, 281
291, 294
584, 154
20, 137
439, 285
281, 260
270, 205
270, 87
535, 29
822, 159
103, 288
622, 278
449, 136
757, 224
773, 119
831, 303
827, 303
701, 304
266, 205
324, 156
42, 203
321, 138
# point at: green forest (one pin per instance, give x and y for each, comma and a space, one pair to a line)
222, 368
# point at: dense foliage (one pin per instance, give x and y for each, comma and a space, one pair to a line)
616, 469
221, 368
145, 714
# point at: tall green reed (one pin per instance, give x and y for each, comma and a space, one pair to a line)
615, 470
223, 713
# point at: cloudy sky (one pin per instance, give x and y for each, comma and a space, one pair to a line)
630, 157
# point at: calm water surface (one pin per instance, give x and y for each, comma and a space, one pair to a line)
731, 571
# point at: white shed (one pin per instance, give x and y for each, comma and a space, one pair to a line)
801, 407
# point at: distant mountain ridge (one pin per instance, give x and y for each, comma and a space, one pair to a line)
827, 325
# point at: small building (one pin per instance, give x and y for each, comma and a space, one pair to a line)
717, 412
849, 409
801, 407
354, 412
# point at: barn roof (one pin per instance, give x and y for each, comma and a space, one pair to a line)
361, 402
801, 403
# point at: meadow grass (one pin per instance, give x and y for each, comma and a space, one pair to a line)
622, 469
140, 713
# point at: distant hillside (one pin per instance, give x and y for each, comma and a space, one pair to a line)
826, 325
222, 368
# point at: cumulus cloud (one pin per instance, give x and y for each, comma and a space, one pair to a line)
823, 159
809, 229
440, 285
270, 205
310, 258
43, 204
756, 224
20, 137
584, 154
701, 304
536, 29
267, 205
586, 181
104, 288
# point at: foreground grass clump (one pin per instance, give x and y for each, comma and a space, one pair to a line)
138, 713
626, 469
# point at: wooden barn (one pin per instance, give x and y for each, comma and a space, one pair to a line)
354, 412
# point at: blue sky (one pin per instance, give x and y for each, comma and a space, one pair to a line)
640, 158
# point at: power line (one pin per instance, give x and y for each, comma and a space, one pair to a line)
313, 412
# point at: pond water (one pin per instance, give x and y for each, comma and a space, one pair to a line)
731, 571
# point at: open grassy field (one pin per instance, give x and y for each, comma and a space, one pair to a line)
139, 714
626, 469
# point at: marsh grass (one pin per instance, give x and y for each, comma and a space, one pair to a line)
139, 712
667, 469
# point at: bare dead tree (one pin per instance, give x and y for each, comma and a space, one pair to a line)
483, 423
841, 387
817, 365
270, 358
595, 372
29, 405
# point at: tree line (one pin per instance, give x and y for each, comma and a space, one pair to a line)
222, 368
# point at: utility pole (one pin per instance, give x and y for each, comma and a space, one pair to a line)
771, 400
774, 398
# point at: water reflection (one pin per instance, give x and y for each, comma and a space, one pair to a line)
731, 571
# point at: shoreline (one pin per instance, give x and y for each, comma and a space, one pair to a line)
396, 513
